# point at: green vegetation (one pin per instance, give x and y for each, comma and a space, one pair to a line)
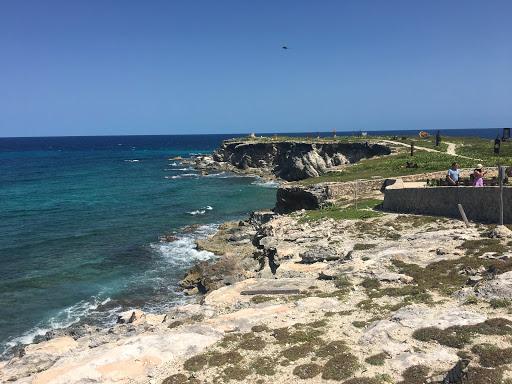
444, 275
375, 229
481, 246
216, 359
263, 366
299, 351
459, 336
392, 166
195, 363
377, 359
359, 323
370, 283
417, 374
363, 246
365, 210
481, 375
483, 149
492, 356
427, 142
258, 299
235, 373
178, 378
332, 349
340, 366
363, 380
342, 282
291, 336
252, 343
412, 294
500, 303
260, 328
307, 371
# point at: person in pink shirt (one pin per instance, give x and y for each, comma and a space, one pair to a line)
478, 176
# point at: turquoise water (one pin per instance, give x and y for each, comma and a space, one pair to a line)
81, 217
80, 221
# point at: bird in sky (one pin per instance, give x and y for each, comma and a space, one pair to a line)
284, 47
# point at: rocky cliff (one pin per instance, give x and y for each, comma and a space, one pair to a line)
290, 160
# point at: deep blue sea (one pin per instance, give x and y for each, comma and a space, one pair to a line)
81, 220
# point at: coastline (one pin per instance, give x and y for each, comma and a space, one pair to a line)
361, 307
333, 290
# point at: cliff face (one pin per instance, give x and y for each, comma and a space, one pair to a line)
295, 160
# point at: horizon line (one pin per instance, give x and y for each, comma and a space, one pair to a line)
247, 133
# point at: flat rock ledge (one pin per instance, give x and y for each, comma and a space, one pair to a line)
363, 304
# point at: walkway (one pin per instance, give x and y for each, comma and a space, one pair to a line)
451, 150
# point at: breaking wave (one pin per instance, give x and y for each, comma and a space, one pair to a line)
63, 319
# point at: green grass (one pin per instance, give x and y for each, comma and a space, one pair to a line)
365, 210
429, 142
483, 149
392, 166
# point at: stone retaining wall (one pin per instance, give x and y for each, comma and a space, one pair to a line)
347, 189
480, 204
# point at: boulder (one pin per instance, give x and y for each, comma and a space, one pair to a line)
501, 232
294, 198
497, 288
131, 316
316, 255
210, 275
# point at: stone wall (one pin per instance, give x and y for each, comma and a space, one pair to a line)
480, 204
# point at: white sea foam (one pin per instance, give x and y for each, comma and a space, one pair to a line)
133, 161
224, 175
184, 250
201, 211
180, 253
63, 319
265, 183
197, 212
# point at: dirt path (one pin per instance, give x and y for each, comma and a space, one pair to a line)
451, 150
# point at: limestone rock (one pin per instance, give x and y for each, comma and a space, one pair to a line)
131, 316
293, 160
316, 255
421, 316
501, 232
497, 288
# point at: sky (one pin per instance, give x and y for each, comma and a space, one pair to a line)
113, 67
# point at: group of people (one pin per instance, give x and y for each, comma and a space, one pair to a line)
478, 174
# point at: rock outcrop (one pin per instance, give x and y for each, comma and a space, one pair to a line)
294, 160
290, 198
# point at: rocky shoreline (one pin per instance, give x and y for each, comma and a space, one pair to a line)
393, 299
285, 160
293, 296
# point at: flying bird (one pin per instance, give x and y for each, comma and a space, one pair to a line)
284, 47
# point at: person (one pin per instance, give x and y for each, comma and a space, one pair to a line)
453, 175
478, 176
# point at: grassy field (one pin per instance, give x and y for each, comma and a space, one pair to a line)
483, 149
365, 210
427, 142
392, 165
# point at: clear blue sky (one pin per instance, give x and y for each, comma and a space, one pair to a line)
100, 67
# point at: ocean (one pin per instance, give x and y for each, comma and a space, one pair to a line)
81, 221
